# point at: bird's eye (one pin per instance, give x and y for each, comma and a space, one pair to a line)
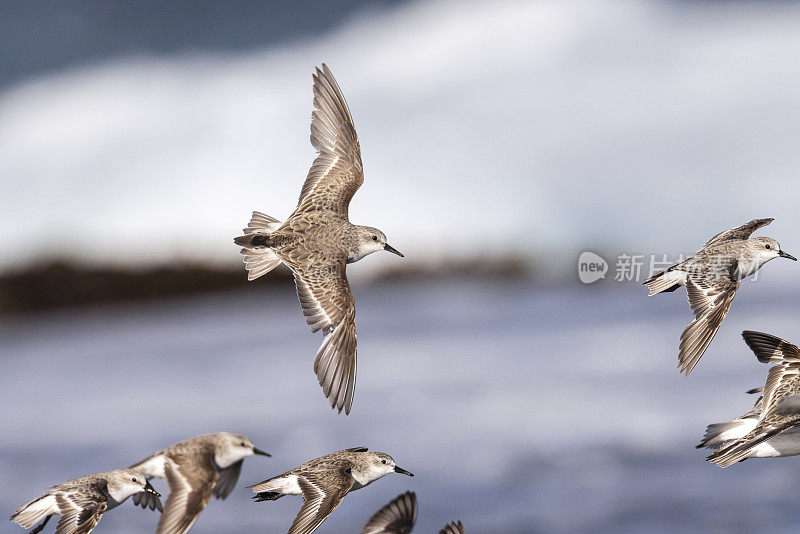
766, 246
374, 238
383, 461
133, 480
242, 444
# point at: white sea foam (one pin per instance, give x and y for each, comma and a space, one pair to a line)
484, 126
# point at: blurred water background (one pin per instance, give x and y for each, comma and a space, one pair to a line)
520, 409
500, 139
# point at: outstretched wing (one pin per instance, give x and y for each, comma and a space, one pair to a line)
324, 294
769, 348
321, 498
335, 364
336, 173
191, 480
740, 232
453, 528
397, 517
710, 302
81, 509
328, 304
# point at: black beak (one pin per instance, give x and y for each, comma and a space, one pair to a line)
781, 253
150, 489
389, 248
402, 471
260, 452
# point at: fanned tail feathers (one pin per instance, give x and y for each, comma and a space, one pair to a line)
664, 281
258, 258
33, 512
717, 434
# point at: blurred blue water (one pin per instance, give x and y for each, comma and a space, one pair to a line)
520, 409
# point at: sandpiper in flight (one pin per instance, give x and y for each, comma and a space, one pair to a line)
81, 502
711, 277
324, 482
317, 241
771, 428
195, 469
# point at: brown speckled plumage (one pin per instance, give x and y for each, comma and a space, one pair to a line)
81, 502
317, 241
711, 277
324, 482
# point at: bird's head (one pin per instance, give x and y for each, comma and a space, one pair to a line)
767, 248
376, 465
370, 240
126, 482
230, 448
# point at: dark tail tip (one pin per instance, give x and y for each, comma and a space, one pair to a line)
252, 240
267, 496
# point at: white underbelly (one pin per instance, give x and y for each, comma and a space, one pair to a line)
746, 268
785, 444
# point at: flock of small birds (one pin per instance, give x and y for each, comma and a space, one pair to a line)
316, 242
199, 467
711, 278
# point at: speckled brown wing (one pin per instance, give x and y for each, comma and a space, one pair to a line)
337, 172
710, 300
191, 479
81, 509
740, 232
322, 491
328, 304
324, 294
397, 517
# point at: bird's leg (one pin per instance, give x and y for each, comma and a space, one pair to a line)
41, 525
